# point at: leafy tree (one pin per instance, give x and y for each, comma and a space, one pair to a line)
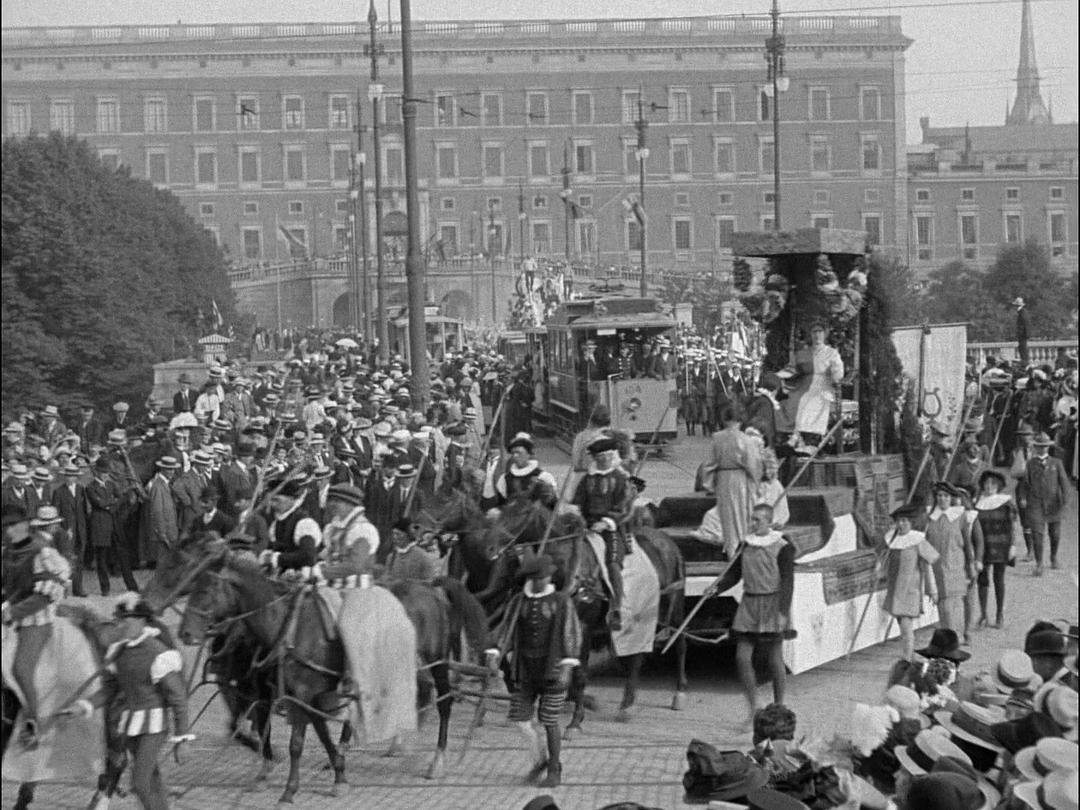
1024, 270
102, 274
707, 291
957, 292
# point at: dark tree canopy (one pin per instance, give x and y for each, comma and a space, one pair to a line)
103, 275
958, 292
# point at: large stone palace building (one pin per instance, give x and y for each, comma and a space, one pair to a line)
252, 127
528, 144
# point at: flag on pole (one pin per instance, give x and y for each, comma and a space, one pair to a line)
218, 320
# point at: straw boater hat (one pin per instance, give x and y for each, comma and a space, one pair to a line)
928, 747
46, 516
1046, 756
1025, 731
167, 463
1014, 671
1057, 791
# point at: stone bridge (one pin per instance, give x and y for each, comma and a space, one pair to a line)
316, 292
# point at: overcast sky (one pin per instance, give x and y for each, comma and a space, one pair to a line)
960, 69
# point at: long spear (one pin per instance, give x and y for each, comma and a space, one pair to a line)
710, 591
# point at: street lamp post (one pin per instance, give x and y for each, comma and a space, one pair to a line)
774, 55
491, 254
375, 92
642, 154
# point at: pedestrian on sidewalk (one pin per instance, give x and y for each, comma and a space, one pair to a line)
1042, 493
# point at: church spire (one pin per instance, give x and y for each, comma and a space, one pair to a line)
1028, 107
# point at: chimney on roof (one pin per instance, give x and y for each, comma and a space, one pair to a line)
1028, 107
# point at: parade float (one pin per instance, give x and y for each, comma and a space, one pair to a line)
841, 502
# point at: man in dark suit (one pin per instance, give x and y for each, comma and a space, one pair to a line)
1023, 329
89, 429
237, 480
663, 364
187, 487
184, 399
406, 501
120, 419
763, 409
41, 486
1042, 492
16, 489
69, 498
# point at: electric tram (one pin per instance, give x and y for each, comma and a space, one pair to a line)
581, 357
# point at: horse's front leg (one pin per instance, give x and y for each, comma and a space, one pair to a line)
678, 701
577, 689
441, 674
296, 750
337, 759
633, 676
25, 796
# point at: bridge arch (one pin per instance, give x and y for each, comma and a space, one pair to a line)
457, 304
340, 312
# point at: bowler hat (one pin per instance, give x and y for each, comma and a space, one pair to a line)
944, 643
1024, 731
1045, 642
184, 378
945, 791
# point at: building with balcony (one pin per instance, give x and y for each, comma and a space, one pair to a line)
527, 132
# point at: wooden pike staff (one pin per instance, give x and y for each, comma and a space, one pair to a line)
710, 591
1001, 424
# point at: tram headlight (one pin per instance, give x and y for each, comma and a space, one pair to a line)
633, 405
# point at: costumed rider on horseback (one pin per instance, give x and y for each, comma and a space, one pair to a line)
35, 578
295, 536
524, 478
604, 497
350, 540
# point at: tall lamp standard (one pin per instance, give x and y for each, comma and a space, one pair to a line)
375, 93
491, 254
778, 83
642, 154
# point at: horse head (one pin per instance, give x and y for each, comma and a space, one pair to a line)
175, 571
212, 595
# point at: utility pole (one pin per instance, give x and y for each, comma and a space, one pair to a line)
415, 272
375, 91
358, 225
774, 55
491, 254
521, 222
642, 154
565, 194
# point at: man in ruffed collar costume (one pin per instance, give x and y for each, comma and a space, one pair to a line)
541, 637
148, 673
35, 578
524, 478
295, 537
604, 497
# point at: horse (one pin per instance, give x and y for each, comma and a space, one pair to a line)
453, 512
309, 665
69, 747
521, 528
247, 691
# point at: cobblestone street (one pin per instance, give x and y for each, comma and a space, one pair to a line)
642, 759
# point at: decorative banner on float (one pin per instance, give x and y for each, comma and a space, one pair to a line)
934, 358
